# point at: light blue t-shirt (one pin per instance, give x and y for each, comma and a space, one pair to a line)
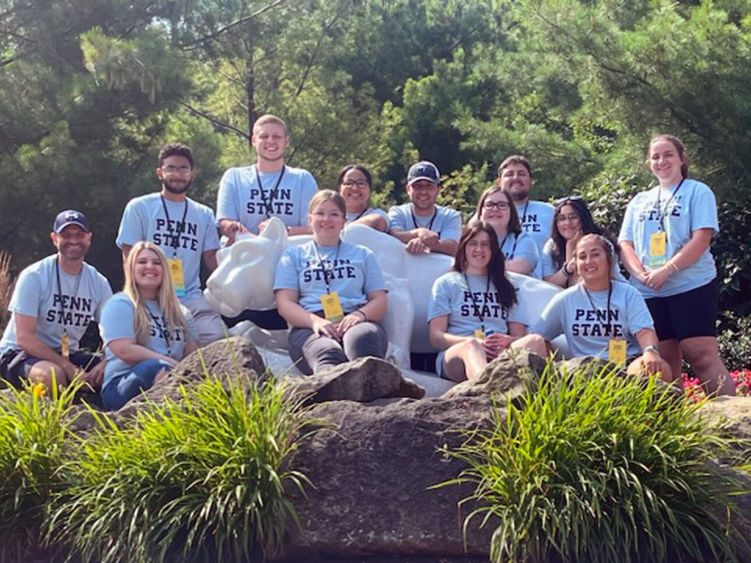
520, 246
537, 220
144, 218
588, 329
352, 271
118, 321
445, 222
37, 295
692, 207
351, 217
453, 297
241, 197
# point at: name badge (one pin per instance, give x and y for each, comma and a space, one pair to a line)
479, 334
658, 248
65, 346
176, 273
617, 351
332, 307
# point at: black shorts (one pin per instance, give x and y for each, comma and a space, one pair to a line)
16, 364
686, 315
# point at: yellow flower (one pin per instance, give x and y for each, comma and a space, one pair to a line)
39, 390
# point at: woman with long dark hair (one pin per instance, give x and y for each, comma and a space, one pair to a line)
601, 317
571, 221
472, 311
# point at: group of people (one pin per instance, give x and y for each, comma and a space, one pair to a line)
332, 293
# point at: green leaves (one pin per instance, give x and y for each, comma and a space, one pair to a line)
199, 479
600, 467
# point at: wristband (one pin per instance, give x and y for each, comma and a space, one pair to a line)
364, 316
565, 270
673, 267
652, 349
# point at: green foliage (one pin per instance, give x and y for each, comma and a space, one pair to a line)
35, 440
600, 467
732, 250
734, 339
196, 480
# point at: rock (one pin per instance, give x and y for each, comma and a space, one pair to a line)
231, 358
585, 362
733, 412
372, 473
508, 376
365, 379
227, 357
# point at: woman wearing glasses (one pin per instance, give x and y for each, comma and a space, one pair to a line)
354, 186
144, 328
472, 312
497, 209
603, 318
331, 292
664, 243
571, 221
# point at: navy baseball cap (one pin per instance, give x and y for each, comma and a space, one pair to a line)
70, 217
424, 171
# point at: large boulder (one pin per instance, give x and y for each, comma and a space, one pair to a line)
365, 379
373, 470
508, 376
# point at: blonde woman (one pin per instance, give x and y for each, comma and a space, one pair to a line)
144, 328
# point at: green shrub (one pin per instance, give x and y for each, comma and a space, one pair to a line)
34, 441
196, 480
598, 467
735, 342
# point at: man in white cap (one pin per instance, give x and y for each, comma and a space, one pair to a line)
421, 224
53, 303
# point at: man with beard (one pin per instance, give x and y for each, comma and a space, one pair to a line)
184, 229
250, 195
421, 224
53, 303
515, 174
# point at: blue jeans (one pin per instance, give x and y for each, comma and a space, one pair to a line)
122, 389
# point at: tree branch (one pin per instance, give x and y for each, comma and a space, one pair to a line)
313, 56
215, 121
235, 23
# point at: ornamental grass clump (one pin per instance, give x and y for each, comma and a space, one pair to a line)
35, 440
600, 467
200, 479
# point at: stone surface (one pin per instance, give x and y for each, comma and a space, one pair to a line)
508, 376
372, 471
363, 380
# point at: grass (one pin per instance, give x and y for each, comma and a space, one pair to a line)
6, 288
34, 442
195, 480
598, 467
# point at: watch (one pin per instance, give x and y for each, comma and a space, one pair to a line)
651, 348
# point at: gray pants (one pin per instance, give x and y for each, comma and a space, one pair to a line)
207, 322
312, 352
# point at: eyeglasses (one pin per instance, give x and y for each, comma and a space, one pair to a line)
568, 198
499, 205
177, 169
358, 183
